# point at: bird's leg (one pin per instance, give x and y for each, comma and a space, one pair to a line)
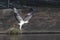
20, 27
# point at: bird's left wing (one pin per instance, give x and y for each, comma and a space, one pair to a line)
17, 16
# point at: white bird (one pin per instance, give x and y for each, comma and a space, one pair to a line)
20, 20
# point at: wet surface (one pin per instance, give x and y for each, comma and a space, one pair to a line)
30, 37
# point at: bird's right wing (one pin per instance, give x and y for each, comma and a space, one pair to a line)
28, 17
16, 14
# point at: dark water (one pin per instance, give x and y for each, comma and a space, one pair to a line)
30, 37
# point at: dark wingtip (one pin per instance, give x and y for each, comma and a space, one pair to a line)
31, 10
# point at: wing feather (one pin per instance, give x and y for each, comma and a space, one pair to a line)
28, 17
17, 16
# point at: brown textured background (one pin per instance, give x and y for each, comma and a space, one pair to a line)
45, 19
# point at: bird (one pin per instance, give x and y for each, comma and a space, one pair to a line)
20, 20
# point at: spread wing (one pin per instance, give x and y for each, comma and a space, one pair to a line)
17, 16
28, 17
